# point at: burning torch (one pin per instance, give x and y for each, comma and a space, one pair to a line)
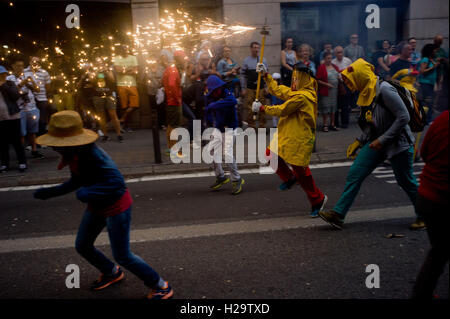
264, 33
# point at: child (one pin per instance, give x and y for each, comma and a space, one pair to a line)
221, 113
101, 186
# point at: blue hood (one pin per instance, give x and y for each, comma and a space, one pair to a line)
213, 82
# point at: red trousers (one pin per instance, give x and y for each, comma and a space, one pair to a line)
304, 178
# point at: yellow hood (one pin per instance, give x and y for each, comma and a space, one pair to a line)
304, 84
360, 76
406, 79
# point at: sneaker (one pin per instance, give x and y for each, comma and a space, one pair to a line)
220, 181
287, 185
3, 169
100, 133
37, 154
237, 186
107, 280
161, 293
22, 167
120, 138
105, 138
332, 218
318, 208
419, 224
128, 130
28, 148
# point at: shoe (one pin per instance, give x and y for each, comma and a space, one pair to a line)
220, 181
318, 208
122, 130
334, 128
107, 280
120, 138
332, 218
37, 154
161, 293
129, 130
105, 138
325, 128
237, 186
100, 133
28, 148
3, 169
287, 185
22, 167
419, 224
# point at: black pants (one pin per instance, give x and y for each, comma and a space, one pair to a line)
10, 134
342, 116
44, 114
436, 218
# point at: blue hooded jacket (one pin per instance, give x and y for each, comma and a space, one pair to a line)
220, 113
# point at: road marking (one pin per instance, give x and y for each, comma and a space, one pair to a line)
264, 169
206, 230
393, 175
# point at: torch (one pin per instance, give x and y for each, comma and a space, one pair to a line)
264, 32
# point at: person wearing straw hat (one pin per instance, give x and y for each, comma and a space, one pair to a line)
101, 186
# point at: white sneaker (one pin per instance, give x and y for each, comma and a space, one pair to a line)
100, 133
28, 148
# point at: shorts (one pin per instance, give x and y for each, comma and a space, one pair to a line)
104, 103
29, 122
173, 115
128, 96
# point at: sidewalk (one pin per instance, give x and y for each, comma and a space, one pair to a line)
135, 157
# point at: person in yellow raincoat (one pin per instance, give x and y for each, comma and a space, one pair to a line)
294, 140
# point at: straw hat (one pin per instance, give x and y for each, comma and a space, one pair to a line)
66, 129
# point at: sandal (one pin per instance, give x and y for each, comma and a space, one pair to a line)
334, 128
325, 128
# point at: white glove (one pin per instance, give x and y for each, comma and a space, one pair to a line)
256, 106
260, 67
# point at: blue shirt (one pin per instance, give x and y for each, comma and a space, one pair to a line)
415, 57
429, 77
222, 113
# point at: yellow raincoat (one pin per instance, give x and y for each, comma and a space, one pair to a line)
359, 77
294, 139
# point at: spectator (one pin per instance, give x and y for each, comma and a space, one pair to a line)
440, 56
171, 81
328, 80
153, 79
29, 113
288, 60
344, 94
415, 56
304, 54
249, 79
126, 68
10, 123
60, 94
43, 81
354, 51
442, 101
428, 77
227, 67
381, 69
433, 202
403, 60
104, 101
393, 56
86, 92
205, 47
327, 47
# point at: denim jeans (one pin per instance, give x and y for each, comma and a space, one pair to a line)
118, 227
366, 161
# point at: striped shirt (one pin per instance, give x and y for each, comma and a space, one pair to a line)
42, 78
26, 102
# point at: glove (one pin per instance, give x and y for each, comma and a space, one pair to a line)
256, 106
260, 67
42, 193
352, 149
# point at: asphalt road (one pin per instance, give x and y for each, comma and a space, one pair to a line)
270, 249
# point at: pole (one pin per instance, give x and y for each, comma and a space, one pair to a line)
264, 32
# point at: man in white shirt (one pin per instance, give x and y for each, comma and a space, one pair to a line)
342, 63
43, 81
29, 112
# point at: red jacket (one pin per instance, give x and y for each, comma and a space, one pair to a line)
171, 81
322, 75
434, 183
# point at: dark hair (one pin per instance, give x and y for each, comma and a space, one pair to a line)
327, 54
400, 46
285, 39
428, 50
253, 43
379, 44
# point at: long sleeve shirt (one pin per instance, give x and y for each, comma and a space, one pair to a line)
171, 81
222, 113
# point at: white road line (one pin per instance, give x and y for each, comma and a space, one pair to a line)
393, 175
261, 170
205, 230
395, 182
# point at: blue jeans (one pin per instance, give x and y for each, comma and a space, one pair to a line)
364, 164
119, 236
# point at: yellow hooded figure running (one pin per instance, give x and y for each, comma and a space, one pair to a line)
293, 142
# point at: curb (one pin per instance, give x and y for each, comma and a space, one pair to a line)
150, 170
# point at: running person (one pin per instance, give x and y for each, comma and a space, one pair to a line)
102, 187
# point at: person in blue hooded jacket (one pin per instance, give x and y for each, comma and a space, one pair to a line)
221, 114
